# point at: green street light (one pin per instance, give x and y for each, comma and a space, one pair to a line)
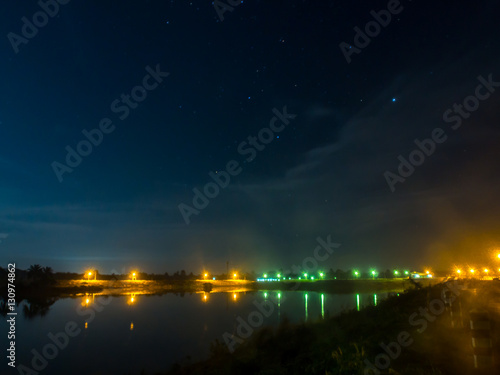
396, 273
321, 274
406, 272
265, 276
373, 274
356, 273
305, 275
279, 275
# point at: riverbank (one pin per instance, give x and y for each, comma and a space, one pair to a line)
414, 333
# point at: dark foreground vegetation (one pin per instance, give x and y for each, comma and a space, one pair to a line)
438, 342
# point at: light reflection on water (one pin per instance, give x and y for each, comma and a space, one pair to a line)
161, 329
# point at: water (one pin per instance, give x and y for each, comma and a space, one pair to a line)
152, 332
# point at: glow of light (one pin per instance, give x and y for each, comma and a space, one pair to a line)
86, 325
312, 277
133, 274
486, 270
357, 302
300, 278
375, 299
279, 275
305, 275
234, 296
471, 271
498, 255
458, 271
132, 326
396, 273
265, 275
279, 295
306, 306
132, 299
213, 278
205, 298
265, 295
406, 272
393, 99
427, 272
323, 306
87, 301
90, 273
234, 275
356, 273
321, 274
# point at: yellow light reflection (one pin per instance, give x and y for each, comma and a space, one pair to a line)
86, 325
205, 297
235, 296
132, 326
132, 300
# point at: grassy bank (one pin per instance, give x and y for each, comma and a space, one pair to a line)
440, 344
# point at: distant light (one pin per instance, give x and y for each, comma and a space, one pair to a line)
393, 99
265, 295
356, 273
321, 274
427, 272
300, 278
90, 273
471, 271
312, 277
458, 271
133, 274
234, 296
486, 270
87, 301
234, 275
279, 275
396, 272
373, 272
305, 275
132, 326
265, 275
406, 272
213, 278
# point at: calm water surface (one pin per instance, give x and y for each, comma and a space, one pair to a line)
124, 334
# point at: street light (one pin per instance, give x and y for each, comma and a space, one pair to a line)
234, 275
88, 275
356, 273
321, 274
373, 274
396, 273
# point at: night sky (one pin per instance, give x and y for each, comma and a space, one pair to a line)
325, 173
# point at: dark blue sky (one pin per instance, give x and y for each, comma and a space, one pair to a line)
324, 175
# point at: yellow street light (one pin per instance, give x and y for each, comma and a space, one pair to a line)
88, 275
234, 275
205, 275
